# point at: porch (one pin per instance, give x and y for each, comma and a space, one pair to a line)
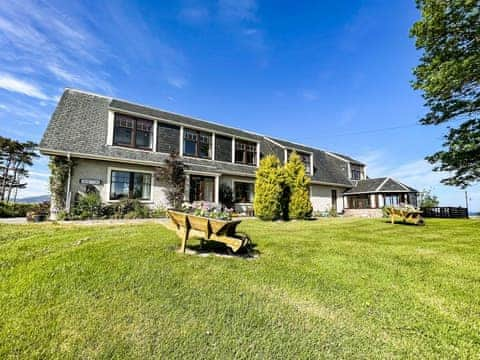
204, 188
370, 205
379, 200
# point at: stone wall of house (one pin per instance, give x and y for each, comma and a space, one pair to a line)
321, 197
367, 213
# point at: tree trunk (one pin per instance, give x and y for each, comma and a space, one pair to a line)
13, 182
5, 176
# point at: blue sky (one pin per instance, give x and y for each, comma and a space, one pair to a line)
332, 74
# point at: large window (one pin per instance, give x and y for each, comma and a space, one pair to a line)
245, 152
244, 192
359, 201
130, 185
132, 132
197, 143
356, 172
392, 200
202, 188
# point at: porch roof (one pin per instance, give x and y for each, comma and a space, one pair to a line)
380, 185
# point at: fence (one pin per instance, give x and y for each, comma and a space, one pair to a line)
445, 212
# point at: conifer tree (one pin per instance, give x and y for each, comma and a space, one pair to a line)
269, 189
300, 206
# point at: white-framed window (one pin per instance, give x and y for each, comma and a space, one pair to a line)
133, 132
244, 192
202, 188
245, 152
197, 143
356, 172
129, 184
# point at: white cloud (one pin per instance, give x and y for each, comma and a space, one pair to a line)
36, 186
10, 83
37, 38
177, 82
86, 80
61, 73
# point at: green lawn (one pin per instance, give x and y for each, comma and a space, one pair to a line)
327, 288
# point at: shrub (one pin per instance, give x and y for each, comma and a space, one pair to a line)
226, 196
269, 189
300, 206
298, 183
134, 208
8, 210
159, 212
62, 215
172, 175
88, 206
108, 211
59, 168
332, 212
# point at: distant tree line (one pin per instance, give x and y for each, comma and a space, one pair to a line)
15, 158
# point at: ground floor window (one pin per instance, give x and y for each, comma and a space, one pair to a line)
244, 192
202, 188
130, 185
392, 200
359, 202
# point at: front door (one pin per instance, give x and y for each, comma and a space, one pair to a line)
334, 200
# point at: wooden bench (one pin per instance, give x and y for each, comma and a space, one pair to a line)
208, 229
407, 216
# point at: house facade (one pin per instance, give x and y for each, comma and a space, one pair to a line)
118, 146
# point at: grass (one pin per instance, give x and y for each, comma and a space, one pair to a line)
330, 288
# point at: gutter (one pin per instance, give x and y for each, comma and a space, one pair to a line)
68, 200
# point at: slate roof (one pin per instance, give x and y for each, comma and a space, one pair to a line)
348, 158
79, 126
379, 185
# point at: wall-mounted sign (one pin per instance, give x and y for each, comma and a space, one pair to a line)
90, 181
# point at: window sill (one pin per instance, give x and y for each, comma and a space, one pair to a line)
197, 157
131, 148
141, 201
251, 165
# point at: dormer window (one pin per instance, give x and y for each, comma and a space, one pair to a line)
197, 144
356, 172
306, 159
133, 132
245, 152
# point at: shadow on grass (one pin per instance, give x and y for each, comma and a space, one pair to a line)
420, 224
205, 248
